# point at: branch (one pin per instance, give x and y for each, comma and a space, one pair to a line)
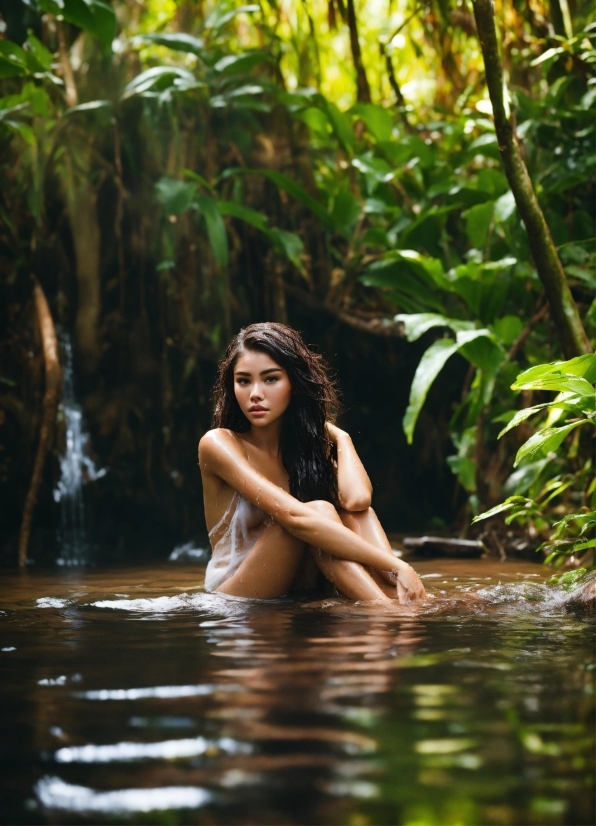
563, 310
362, 86
53, 381
377, 326
521, 339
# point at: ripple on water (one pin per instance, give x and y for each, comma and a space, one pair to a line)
54, 793
163, 750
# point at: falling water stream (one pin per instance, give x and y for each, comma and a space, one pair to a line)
76, 469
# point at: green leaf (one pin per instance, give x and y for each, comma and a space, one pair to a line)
430, 366
583, 366
178, 41
289, 244
346, 211
287, 184
92, 16
376, 169
22, 129
549, 54
90, 106
417, 324
521, 416
507, 328
216, 20
250, 216
545, 441
13, 60
175, 196
342, 128
39, 52
478, 219
551, 381
216, 229
525, 477
236, 63
481, 350
316, 120
377, 119
507, 505
158, 78
433, 360
465, 470
584, 545
504, 207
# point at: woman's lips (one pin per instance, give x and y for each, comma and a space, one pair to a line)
257, 411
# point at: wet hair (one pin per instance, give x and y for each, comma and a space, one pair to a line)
306, 450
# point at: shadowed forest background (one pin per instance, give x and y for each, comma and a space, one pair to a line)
172, 171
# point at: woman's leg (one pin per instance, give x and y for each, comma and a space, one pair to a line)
269, 568
351, 579
366, 524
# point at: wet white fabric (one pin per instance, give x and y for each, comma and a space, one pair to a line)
232, 538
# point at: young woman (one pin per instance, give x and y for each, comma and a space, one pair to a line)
283, 486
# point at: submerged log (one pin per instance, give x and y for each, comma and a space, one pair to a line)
53, 381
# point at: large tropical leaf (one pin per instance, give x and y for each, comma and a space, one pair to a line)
547, 440
468, 343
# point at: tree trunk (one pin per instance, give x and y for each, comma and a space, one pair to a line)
53, 381
362, 87
563, 310
70, 87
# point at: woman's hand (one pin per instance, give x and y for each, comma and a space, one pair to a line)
409, 585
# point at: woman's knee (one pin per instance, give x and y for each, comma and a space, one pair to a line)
323, 507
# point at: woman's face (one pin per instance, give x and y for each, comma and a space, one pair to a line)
262, 388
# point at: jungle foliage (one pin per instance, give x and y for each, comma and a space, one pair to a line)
172, 170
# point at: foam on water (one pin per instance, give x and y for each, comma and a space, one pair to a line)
201, 601
529, 596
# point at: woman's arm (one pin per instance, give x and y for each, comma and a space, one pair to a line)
353, 484
220, 455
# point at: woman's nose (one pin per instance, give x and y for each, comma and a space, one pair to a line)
256, 392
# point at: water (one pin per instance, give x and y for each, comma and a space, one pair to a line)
131, 696
76, 468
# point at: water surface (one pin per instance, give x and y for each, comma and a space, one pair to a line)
131, 696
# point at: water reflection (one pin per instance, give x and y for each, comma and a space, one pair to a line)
135, 692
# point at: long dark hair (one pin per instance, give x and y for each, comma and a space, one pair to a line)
306, 450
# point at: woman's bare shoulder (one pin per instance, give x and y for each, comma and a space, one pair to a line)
216, 440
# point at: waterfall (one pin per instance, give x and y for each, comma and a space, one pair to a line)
76, 469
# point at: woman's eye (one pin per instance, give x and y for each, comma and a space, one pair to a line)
271, 379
